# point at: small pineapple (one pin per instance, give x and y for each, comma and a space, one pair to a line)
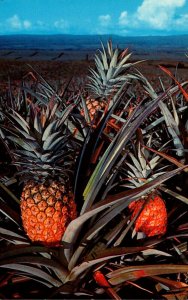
151, 209
94, 106
106, 79
153, 218
44, 156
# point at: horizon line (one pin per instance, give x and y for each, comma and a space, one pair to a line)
105, 34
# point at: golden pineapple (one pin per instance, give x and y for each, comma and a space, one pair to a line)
151, 209
44, 155
46, 211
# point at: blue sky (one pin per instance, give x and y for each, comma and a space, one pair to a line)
122, 17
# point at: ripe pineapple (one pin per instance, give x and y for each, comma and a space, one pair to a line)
44, 156
94, 106
152, 219
106, 79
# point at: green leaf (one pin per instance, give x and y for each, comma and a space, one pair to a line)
52, 140
98, 62
37, 124
114, 58
18, 118
20, 142
104, 57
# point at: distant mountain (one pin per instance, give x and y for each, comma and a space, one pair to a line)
170, 45
80, 42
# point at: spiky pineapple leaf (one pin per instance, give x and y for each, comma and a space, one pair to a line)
172, 128
137, 272
33, 271
48, 130
51, 140
110, 48
118, 202
37, 124
36, 260
167, 157
12, 236
9, 212
16, 250
113, 151
20, 142
8, 191
179, 85
174, 194
104, 57
114, 59
18, 118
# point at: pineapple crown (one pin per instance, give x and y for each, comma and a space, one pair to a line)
42, 146
141, 167
109, 72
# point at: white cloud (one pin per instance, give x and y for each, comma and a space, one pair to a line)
61, 24
27, 24
105, 20
123, 18
158, 14
16, 23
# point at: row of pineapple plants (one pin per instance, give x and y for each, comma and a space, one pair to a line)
93, 174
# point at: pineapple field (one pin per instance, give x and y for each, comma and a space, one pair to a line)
94, 180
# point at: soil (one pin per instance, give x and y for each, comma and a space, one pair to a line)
60, 71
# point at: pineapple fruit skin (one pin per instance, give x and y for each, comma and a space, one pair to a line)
46, 211
153, 218
93, 106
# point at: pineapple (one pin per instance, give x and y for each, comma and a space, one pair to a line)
43, 155
153, 218
106, 79
46, 210
151, 209
94, 106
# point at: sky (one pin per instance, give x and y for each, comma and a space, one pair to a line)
121, 17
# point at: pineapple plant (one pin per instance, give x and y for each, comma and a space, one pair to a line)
44, 155
150, 210
108, 76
